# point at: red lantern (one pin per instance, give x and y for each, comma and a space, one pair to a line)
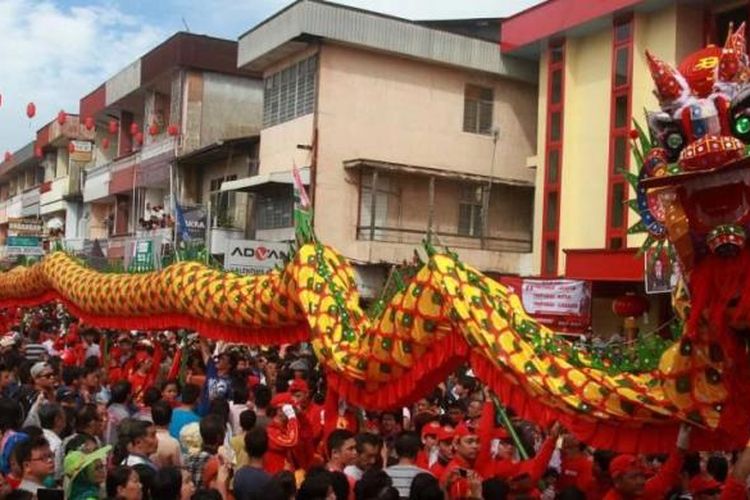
153, 129
31, 110
105, 143
8, 156
113, 126
134, 128
62, 117
71, 147
173, 129
139, 138
1, 99
630, 305
89, 123
38, 151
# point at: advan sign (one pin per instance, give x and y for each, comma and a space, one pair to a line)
253, 256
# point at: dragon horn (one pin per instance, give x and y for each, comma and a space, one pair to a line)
668, 86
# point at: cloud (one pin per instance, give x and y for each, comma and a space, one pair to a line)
54, 55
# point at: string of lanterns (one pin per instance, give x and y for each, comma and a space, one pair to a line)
89, 123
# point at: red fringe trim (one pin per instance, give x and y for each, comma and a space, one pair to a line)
261, 336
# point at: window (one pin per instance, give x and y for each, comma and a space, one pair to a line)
618, 205
553, 166
556, 90
554, 126
222, 204
551, 215
478, 104
622, 66
274, 208
385, 197
620, 161
470, 211
290, 93
621, 111
550, 257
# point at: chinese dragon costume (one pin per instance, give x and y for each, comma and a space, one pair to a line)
692, 193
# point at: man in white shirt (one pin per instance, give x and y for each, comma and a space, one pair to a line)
402, 474
52, 420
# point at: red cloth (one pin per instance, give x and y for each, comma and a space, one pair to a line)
659, 485
576, 471
423, 461
733, 490
438, 468
459, 488
282, 439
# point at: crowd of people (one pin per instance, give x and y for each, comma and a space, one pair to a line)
91, 414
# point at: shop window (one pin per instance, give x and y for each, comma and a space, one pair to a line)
274, 208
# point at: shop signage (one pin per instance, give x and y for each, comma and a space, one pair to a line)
254, 257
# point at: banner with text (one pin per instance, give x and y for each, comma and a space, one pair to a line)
562, 305
254, 257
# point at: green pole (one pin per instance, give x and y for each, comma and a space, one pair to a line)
505, 420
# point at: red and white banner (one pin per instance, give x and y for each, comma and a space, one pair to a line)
561, 305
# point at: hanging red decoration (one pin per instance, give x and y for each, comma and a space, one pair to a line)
31, 110
71, 147
105, 143
1, 99
8, 156
113, 126
173, 129
630, 305
62, 117
153, 129
89, 123
139, 138
38, 151
134, 128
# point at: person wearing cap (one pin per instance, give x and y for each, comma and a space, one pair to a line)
309, 419
85, 474
460, 478
429, 452
283, 434
444, 439
629, 474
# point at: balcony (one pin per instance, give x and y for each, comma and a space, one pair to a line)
14, 207
30, 202
54, 193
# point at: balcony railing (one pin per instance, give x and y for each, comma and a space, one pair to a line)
415, 236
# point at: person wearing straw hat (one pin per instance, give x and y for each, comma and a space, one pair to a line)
85, 474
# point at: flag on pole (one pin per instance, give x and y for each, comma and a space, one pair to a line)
302, 210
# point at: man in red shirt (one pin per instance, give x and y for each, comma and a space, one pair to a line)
444, 439
629, 474
459, 477
283, 434
577, 467
428, 454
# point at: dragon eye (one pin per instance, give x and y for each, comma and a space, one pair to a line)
675, 141
742, 125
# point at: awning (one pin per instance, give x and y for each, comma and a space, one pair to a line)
250, 184
604, 265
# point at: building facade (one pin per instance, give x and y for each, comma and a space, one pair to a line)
401, 129
593, 80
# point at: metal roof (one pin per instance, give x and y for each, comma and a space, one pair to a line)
286, 33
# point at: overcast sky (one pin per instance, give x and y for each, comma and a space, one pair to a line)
55, 51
